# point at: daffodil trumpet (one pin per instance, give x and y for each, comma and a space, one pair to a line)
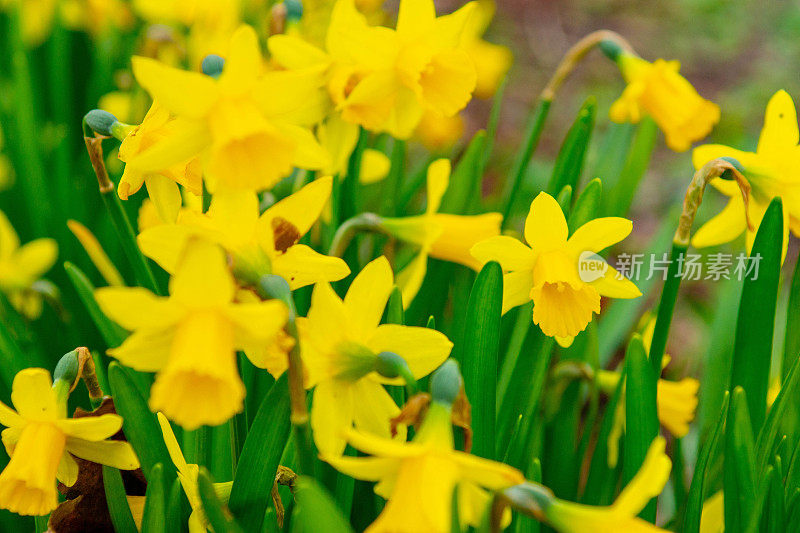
726, 168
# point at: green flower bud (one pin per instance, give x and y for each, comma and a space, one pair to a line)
100, 121
294, 10
67, 368
728, 175
611, 49
446, 382
212, 65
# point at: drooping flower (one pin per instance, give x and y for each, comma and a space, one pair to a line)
546, 271
620, 516
384, 79
162, 183
772, 171
259, 245
43, 443
439, 235
418, 477
656, 89
254, 124
190, 338
187, 475
21, 267
341, 341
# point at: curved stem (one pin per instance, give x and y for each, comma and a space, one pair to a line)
348, 229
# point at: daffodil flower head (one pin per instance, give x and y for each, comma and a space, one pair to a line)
43, 443
341, 341
258, 244
187, 476
772, 170
137, 151
190, 338
22, 266
439, 235
547, 269
251, 125
658, 90
418, 477
620, 516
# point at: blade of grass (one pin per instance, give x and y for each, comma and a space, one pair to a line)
117, 501
154, 518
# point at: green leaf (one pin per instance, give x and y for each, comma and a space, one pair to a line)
569, 162
533, 131
117, 501
316, 510
478, 354
465, 181
786, 400
587, 205
756, 319
697, 490
175, 518
666, 306
739, 465
112, 334
394, 308
261, 453
455, 519
622, 193
218, 519
139, 423
154, 518
564, 199
774, 512
641, 414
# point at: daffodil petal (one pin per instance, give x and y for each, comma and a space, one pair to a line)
300, 265
9, 417
372, 445
517, 289
708, 152
373, 411
486, 473
9, 241
599, 234
724, 227
115, 453
780, 130
166, 196
67, 472
91, 428
364, 468
146, 350
614, 285
243, 63
257, 323
331, 415
438, 180
648, 482
422, 348
302, 208
134, 307
292, 52
508, 251
202, 277
411, 277
189, 94
33, 396
367, 296
545, 228
174, 449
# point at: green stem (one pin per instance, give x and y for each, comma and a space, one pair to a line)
119, 217
348, 229
393, 183
666, 306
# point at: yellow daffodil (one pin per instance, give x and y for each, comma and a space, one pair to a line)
492, 61
676, 400
190, 338
250, 121
97, 17
187, 475
620, 516
22, 266
384, 79
712, 519
43, 443
162, 183
35, 18
437, 133
341, 341
656, 89
442, 236
418, 477
546, 271
259, 245
772, 170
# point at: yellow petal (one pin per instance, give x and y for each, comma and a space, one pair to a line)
145, 351
599, 234
648, 482
331, 416
724, 227
96, 253
189, 94
243, 63
37, 257
415, 16
9, 241
165, 243
375, 409
202, 277
257, 323
165, 196
135, 307
458, 233
308, 153
67, 472
438, 179
411, 277
113, 453
367, 296
614, 285
300, 265
186, 139
32, 395
9, 417
234, 215
708, 152
563, 311
295, 97
364, 468
292, 52
509, 252
545, 227
327, 314
448, 81
780, 125
517, 289
422, 348
339, 138
372, 445
174, 449
374, 166
91, 428
302, 208
486, 473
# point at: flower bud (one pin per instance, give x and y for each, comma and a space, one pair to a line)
68, 368
100, 121
728, 175
212, 65
611, 49
446, 382
390, 365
